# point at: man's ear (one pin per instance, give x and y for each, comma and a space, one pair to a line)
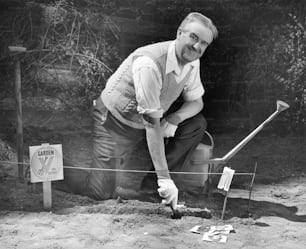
178, 33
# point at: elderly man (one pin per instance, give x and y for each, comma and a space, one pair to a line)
135, 105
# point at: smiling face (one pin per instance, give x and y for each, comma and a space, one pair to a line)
191, 41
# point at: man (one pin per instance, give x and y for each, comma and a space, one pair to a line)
134, 104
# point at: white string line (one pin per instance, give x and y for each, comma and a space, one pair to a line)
135, 171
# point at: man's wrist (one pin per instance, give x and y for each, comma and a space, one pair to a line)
163, 174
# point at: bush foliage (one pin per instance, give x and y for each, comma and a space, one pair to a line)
62, 37
276, 63
290, 71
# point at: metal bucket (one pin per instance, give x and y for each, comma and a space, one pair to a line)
197, 164
202, 153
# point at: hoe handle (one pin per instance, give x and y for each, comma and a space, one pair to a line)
281, 106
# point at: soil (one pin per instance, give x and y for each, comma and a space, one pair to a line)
274, 217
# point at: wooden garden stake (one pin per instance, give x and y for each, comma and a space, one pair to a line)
18, 98
47, 195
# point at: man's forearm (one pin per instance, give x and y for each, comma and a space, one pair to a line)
187, 110
156, 148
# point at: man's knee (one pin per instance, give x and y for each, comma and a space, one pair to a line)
194, 125
200, 122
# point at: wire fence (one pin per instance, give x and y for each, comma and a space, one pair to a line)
78, 167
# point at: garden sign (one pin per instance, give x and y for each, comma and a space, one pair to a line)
46, 163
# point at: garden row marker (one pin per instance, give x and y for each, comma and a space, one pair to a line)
46, 164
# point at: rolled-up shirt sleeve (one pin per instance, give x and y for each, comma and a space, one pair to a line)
194, 88
148, 83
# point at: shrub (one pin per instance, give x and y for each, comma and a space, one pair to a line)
291, 57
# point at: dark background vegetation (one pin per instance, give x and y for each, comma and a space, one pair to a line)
74, 46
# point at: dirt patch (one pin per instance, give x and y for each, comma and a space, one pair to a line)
276, 219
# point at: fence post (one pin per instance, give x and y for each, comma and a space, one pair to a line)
18, 98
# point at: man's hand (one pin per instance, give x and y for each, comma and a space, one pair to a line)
168, 128
168, 191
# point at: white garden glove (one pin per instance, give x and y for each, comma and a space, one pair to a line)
168, 128
168, 191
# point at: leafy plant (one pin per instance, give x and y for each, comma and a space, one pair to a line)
273, 67
62, 35
82, 47
291, 49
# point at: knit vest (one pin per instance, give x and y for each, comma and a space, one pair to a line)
119, 93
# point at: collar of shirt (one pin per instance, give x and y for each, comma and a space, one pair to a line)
172, 63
